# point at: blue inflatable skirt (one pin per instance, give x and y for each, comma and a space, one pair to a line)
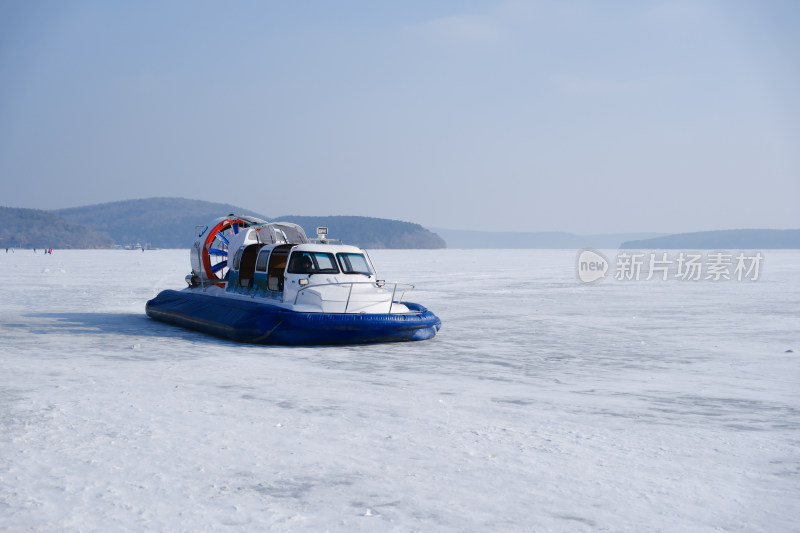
263, 323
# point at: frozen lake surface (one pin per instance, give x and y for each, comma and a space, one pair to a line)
544, 404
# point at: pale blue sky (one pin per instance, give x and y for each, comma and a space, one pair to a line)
587, 117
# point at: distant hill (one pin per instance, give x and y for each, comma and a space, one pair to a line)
367, 232
552, 239
33, 228
160, 222
170, 223
735, 239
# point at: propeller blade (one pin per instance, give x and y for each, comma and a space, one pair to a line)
219, 266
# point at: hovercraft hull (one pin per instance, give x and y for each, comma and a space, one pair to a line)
258, 322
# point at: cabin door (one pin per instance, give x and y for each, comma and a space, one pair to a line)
277, 267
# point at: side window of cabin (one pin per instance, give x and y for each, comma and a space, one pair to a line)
262, 261
237, 259
301, 263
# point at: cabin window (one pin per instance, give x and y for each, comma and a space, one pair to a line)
262, 261
352, 263
237, 258
312, 263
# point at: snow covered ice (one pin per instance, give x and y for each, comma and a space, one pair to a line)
543, 404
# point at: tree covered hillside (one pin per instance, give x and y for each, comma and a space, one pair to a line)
734, 239
367, 232
33, 228
160, 222
171, 222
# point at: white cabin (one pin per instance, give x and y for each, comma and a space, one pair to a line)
278, 264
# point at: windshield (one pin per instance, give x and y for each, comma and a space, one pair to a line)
352, 263
312, 263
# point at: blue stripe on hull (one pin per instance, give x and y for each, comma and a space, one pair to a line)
263, 323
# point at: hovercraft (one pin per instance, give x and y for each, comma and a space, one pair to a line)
267, 283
